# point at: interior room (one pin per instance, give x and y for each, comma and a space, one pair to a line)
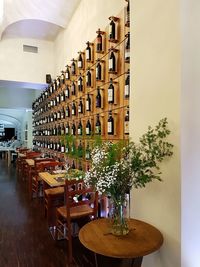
80, 83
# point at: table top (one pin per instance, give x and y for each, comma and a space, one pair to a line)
50, 179
4, 148
141, 240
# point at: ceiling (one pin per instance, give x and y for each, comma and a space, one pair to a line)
37, 19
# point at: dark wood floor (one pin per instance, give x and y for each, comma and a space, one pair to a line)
25, 240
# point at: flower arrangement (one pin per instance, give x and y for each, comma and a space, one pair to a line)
117, 167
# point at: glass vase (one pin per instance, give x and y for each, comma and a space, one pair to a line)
119, 216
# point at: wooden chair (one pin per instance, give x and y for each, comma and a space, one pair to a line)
81, 203
36, 184
53, 198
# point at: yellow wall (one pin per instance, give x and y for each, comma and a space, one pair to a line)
155, 94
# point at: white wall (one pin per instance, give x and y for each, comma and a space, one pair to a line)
89, 16
190, 129
16, 65
155, 94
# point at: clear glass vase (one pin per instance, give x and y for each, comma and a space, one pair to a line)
118, 214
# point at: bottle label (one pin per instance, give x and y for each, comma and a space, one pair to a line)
62, 98
110, 63
127, 54
79, 109
79, 64
87, 130
126, 127
67, 75
110, 95
58, 115
73, 111
110, 30
67, 130
87, 54
126, 92
87, 105
62, 149
67, 93
79, 82
98, 129
79, 131
110, 127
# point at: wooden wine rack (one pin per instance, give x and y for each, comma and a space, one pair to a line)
42, 110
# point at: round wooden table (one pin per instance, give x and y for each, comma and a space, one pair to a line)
141, 240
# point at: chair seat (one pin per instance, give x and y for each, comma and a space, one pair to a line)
76, 212
54, 191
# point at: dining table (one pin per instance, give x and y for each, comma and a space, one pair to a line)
142, 239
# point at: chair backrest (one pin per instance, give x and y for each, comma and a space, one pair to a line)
32, 154
47, 165
40, 160
77, 194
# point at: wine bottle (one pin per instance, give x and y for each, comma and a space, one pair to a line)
59, 130
126, 123
62, 148
88, 103
98, 98
63, 129
87, 152
62, 116
67, 148
98, 71
98, 125
80, 83
80, 128
73, 129
99, 42
127, 47
62, 97
127, 19
62, 77
88, 52
58, 82
127, 86
73, 109
80, 149
67, 93
55, 116
73, 88
111, 92
80, 106
58, 115
112, 62
58, 99
112, 29
73, 165
54, 85
88, 78
88, 128
58, 147
73, 67
67, 73
67, 112
67, 129
110, 124
80, 61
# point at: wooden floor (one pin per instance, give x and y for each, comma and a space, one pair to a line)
25, 240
